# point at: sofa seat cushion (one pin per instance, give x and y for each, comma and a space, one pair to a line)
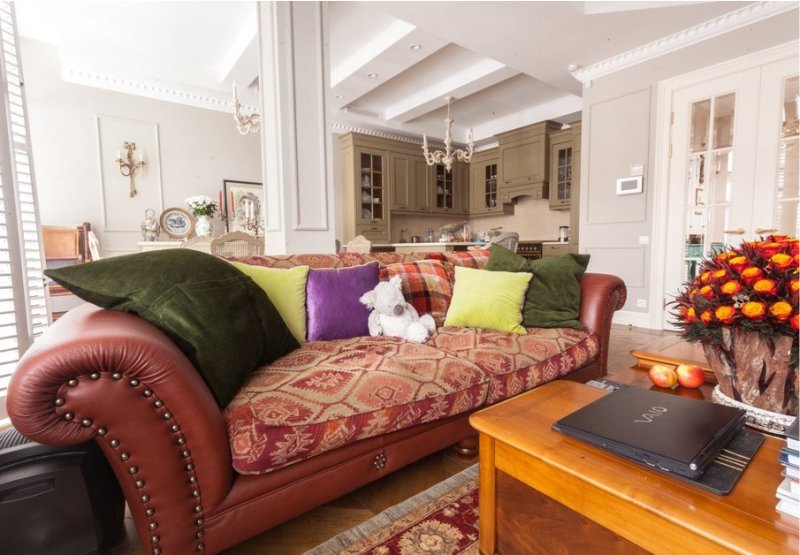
330, 393
517, 363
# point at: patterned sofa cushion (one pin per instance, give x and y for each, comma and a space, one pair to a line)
517, 363
320, 261
330, 393
478, 259
426, 285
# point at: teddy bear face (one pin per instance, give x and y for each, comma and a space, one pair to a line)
389, 299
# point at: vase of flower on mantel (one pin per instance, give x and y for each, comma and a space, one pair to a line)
203, 209
742, 307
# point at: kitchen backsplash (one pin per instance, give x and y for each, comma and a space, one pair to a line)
532, 219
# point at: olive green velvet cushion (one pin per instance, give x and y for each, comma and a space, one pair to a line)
216, 315
554, 296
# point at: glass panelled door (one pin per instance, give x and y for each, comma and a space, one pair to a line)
788, 185
709, 179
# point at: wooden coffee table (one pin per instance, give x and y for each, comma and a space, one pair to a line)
543, 492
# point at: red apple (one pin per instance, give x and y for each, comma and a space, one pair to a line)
690, 376
662, 376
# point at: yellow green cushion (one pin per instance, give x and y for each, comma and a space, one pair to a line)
286, 288
491, 300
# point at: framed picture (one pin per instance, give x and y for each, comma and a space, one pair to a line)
177, 223
243, 203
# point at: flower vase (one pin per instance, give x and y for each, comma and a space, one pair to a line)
204, 226
754, 370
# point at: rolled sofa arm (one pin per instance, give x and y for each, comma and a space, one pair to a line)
114, 378
601, 296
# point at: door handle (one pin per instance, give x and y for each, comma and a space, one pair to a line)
737, 231
763, 230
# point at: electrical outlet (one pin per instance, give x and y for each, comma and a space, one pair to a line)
641, 303
644, 239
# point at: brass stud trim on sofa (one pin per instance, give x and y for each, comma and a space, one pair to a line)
185, 454
59, 401
189, 467
145, 498
198, 508
94, 376
155, 539
86, 422
133, 470
114, 443
101, 431
159, 403
153, 525
124, 456
133, 382
198, 522
116, 376
193, 479
72, 383
199, 534
147, 393
175, 428
200, 547
68, 416
180, 441
167, 416
156, 551
139, 484
150, 512
196, 494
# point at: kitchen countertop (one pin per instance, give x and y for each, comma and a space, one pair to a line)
431, 244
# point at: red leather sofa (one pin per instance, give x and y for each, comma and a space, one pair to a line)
113, 378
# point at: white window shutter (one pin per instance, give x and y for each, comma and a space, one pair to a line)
23, 304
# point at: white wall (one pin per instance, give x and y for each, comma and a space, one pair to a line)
619, 130
198, 149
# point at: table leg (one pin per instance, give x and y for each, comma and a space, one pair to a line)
486, 499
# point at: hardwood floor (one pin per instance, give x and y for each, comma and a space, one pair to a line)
322, 523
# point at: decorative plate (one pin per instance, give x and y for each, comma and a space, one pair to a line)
177, 222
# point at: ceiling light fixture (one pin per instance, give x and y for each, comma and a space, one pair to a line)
340, 96
449, 155
245, 123
372, 75
415, 46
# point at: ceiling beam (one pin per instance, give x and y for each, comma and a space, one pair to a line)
468, 81
371, 50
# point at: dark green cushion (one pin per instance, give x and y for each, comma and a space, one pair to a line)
217, 316
554, 296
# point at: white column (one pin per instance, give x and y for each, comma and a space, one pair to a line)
296, 140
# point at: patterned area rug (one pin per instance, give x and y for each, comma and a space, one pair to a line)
442, 520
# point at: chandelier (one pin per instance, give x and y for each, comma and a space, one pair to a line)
245, 123
449, 155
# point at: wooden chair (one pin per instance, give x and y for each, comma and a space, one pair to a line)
202, 244
237, 243
359, 244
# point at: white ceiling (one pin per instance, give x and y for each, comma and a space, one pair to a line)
507, 63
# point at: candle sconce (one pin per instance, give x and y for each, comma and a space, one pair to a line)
129, 167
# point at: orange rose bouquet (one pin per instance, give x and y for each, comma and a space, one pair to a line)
753, 287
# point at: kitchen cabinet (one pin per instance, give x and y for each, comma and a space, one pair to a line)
421, 186
561, 169
443, 189
524, 161
555, 249
484, 192
462, 188
366, 171
401, 182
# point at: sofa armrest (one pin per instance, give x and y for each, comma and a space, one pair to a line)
601, 296
114, 378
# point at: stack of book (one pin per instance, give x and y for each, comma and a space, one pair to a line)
789, 491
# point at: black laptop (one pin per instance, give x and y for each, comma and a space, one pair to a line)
672, 433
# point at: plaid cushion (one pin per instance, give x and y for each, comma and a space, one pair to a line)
426, 285
478, 259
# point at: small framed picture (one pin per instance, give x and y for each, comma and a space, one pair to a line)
177, 223
244, 202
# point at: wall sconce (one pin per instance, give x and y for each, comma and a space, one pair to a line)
129, 167
245, 123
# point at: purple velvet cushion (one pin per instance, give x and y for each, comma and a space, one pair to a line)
332, 301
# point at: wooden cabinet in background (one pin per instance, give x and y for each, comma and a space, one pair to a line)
421, 197
443, 189
366, 175
524, 161
462, 188
401, 183
483, 186
564, 178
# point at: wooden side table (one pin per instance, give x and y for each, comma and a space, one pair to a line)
544, 492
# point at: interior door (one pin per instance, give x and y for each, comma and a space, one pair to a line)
713, 146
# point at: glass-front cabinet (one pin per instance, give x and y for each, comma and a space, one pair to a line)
561, 169
484, 194
372, 185
444, 189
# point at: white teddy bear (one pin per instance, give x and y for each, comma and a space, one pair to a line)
392, 316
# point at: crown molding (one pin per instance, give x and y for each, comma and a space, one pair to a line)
725, 23
198, 98
347, 128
